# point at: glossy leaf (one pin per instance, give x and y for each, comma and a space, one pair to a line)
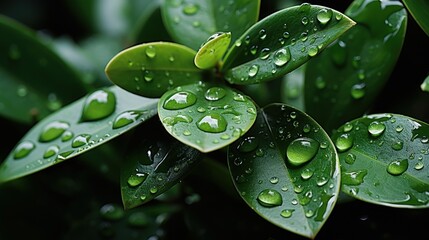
419, 9
383, 159
286, 169
191, 22
212, 51
425, 85
283, 41
154, 165
206, 116
37, 80
343, 82
151, 69
99, 117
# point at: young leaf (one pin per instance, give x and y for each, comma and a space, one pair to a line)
383, 157
342, 83
282, 42
212, 50
425, 85
191, 22
419, 9
286, 169
155, 164
101, 116
37, 80
206, 116
151, 69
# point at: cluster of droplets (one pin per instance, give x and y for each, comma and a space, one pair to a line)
97, 106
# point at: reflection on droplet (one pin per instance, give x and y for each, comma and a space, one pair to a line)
270, 198
344, 142
212, 123
215, 93
136, 179
23, 149
180, 100
51, 151
53, 130
248, 144
98, 105
353, 178
376, 128
397, 167
125, 119
281, 57
301, 150
80, 140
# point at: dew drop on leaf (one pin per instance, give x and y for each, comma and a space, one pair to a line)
125, 119
53, 130
353, 178
80, 140
270, 198
180, 100
150, 51
98, 105
253, 70
286, 213
67, 135
281, 57
212, 123
215, 93
51, 151
358, 91
324, 16
376, 128
190, 9
301, 150
248, 144
397, 167
136, 179
344, 142
23, 149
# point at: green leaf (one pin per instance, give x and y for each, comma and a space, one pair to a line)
419, 9
343, 82
191, 22
425, 85
212, 50
155, 163
383, 157
282, 42
151, 69
206, 116
37, 80
99, 117
292, 92
287, 170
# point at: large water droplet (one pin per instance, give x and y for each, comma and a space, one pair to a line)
301, 150
212, 123
126, 118
324, 15
358, 91
51, 151
80, 140
353, 178
376, 128
253, 70
23, 149
344, 142
398, 145
397, 167
98, 105
286, 213
190, 9
53, 130
136, 179
248, 144
180, 100
270, 198
215, 93
281, 57
150, 51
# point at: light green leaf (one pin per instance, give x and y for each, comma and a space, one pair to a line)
283, 41
206, 116
212, 51
343, 82
419, 9
425, 85
383, 159
286, 169
151, 69
99, 117
191, 22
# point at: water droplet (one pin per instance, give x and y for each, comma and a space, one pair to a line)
51, 151
309, 213
254, 50
350, 158
98, 105
80, 140
286, 213
344, 142
153, 190
398, 145
136, 179
239, 98
347, 127
150, 51
23, 149
148, 76
265, 53
307, 173
111, 212
301, 150
126, 118
53, 130
321, 181
358, 91
274, 180
67, 135
320, 83
215, 93
304, 21
248, 144
312, 51
262, 34
419, 165
212, 123
190, 9
281, 57
376, 128
397, 167
324, 16
253, 70
180, 100
270, 198
353, 178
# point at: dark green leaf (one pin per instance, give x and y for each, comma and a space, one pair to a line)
154, 164
383, 159
206, 116
292, 92
419, 9
100, 116
282, 42
37, 80
210, 53
287, 170
151, 69
342, 83
425, 85
191, 22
